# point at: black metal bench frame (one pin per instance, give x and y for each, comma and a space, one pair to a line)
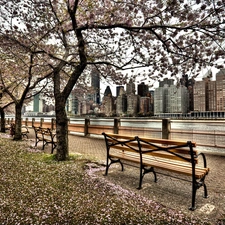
151, 154
46, 136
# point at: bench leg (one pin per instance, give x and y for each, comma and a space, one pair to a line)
205, 191
194, 189
109, 164
202, 183
146, 170
24, 135
36, 142
43, 145
53, 147
195, 186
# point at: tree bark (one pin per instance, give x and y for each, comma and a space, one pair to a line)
18, 122
2, 112
61, 131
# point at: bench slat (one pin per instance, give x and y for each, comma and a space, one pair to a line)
156, 153
152, 140
173, 167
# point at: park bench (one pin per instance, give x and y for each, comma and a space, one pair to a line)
11, 128
178, 158
24, 131
46, 136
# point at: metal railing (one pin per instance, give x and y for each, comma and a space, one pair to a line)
213, 140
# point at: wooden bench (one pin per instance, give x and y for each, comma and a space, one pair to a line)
24, 131
46, 136
11, 128
156, 155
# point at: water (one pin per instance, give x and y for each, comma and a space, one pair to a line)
198, 125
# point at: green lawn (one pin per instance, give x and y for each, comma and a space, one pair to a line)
35, 189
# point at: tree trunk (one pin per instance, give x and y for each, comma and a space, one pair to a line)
18, 123
2, 112
61, 131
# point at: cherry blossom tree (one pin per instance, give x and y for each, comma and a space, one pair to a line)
20, 78
166, 37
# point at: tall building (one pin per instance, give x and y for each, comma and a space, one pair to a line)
220, 90
119, 89
130, 87
38, 103
95, 87
212, 96
152, 93
205, 94
121, 102
160, 99
133, 104
145, 105
133, 100
169, 98
200, 95
161, 96
75, 102
166, 81
189, 84
178, 99
108, 102
143, 89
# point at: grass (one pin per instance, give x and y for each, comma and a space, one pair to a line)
36, 189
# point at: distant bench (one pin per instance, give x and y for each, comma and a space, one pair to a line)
24, 131
152, 154
11, 128
46, 136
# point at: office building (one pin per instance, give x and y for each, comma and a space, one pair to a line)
220, 90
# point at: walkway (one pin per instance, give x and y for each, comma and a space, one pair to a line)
168, 191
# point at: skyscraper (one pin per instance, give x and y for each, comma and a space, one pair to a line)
95, 85
143, 89
220, 89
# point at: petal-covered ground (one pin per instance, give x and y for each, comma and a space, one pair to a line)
36, 189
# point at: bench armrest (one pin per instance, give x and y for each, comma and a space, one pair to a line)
204, 159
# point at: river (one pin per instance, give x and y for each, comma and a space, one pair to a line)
199, 125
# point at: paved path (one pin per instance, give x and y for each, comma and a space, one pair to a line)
168, 191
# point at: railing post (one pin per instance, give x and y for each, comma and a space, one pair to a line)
86, 124
26, 122
33, 120
41, 122
53, 124
116, 126
166, 128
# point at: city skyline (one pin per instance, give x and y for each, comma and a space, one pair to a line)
155, 84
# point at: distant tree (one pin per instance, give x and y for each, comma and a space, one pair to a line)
166, 37
3, 107
20, 78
